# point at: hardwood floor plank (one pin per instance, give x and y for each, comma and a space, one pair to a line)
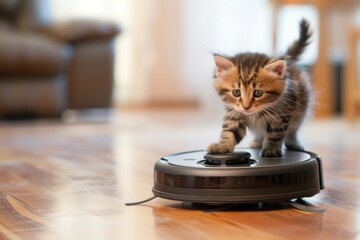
5, 234
70, 181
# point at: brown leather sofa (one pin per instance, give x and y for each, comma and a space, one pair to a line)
47, 67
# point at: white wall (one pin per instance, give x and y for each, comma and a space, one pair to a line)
225, 27
165, 50
185, 34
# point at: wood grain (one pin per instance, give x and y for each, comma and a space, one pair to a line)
70, 181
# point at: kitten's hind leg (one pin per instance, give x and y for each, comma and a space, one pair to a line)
258, 141
292, 142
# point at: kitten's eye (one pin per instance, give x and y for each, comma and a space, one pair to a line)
236, 92
258, 93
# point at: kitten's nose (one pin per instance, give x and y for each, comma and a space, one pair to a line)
247, 107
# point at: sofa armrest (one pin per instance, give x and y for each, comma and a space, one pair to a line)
81, 30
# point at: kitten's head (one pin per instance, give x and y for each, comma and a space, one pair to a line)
249, 82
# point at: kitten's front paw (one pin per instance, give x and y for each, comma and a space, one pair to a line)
271, 152
217, 148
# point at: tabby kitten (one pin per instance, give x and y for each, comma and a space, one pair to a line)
268, 95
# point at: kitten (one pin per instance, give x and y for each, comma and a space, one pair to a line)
268, 95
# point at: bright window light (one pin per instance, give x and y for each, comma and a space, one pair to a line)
288, 30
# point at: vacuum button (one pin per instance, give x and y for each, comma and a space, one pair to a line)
228, 158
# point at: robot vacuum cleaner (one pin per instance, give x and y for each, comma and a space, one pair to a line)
240, 177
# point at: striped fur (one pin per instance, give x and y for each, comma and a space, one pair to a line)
270, 96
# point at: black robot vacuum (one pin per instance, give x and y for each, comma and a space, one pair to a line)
240, 177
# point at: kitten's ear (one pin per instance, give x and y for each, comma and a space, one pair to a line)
277, 67
222, 64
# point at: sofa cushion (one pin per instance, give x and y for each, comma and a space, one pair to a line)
81, 30
37, 96
27, 54
9, 7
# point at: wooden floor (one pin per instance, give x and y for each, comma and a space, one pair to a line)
71, 180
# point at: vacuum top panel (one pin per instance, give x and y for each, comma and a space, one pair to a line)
196, 159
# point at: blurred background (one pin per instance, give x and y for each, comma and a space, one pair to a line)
59, 55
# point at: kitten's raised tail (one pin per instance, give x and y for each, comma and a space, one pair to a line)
298, 47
